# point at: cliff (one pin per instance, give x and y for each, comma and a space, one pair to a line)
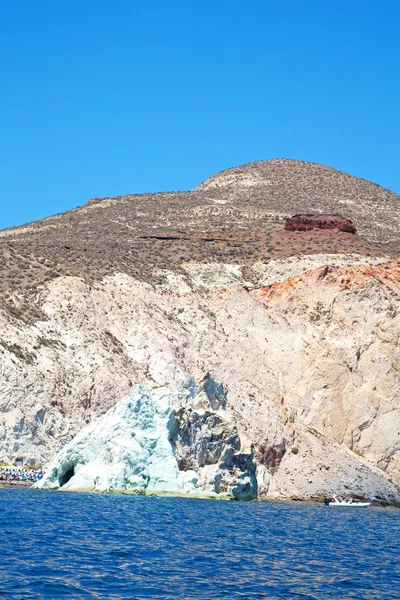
304, 346
310, 367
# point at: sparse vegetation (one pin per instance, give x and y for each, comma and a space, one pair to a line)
143, 234
18, 351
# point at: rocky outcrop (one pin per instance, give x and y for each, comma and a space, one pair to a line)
307, 222
322, 467
173, 439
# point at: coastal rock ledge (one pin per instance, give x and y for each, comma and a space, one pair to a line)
177, 439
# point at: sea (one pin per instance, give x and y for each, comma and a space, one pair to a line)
75, 545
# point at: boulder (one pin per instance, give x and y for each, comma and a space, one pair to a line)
307, 222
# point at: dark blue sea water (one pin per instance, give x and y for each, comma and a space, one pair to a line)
65, 545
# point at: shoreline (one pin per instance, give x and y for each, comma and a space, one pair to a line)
205, 496
6, 484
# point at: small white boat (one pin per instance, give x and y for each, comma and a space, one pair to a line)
338, 502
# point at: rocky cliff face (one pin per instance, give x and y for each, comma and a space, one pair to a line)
310, 367
300, 330
171, 439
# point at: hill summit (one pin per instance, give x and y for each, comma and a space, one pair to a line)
235, 217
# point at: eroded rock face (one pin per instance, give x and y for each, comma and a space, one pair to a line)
206, 444
307, 222
173, 439
318, 352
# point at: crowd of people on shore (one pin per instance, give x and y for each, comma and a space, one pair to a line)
19, 475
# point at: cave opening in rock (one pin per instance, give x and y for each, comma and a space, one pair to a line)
66, 476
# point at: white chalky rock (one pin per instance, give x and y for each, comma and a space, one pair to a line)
132, 447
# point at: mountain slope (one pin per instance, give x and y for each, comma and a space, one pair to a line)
234, 217
309, 361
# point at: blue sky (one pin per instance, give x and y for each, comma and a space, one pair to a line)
103, 98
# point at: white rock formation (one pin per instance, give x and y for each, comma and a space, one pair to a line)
136, 446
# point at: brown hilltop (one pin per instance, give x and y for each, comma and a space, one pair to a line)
293, 186
236, 216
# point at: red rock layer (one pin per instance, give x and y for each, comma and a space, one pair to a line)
309, 222
354, 278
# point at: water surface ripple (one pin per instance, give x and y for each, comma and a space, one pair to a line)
65, 545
